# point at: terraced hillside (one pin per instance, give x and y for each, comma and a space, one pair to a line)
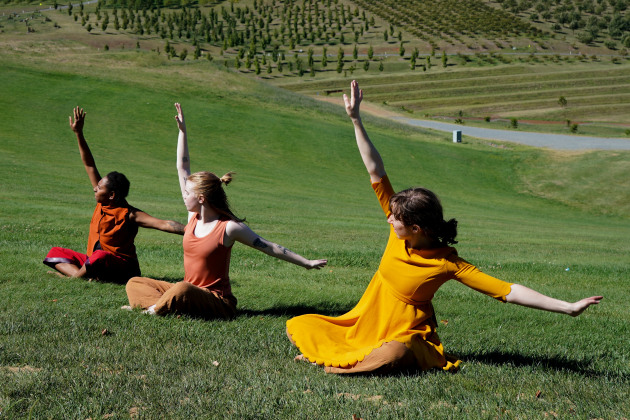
593, 92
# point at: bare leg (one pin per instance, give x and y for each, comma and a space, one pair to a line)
71, 270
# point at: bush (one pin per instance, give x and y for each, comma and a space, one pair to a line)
610, 44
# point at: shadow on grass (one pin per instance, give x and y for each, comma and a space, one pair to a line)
293, 310
553, 363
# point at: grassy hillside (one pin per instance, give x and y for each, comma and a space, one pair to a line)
66, 350
555, 67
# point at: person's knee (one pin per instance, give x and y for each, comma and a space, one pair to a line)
183, 288
133, 283
397, 350
184, 292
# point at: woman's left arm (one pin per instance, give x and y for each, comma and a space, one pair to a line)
147, 221
525, 296
240, 232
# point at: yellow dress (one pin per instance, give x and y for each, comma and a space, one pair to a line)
396, 306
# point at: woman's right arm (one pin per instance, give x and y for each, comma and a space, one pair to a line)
86, 155
183, 158
371, 158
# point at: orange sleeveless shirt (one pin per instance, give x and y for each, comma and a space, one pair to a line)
207, 260
111, 227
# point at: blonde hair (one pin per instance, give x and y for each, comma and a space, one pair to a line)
209, 186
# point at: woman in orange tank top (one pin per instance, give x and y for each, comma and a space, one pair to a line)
211, 232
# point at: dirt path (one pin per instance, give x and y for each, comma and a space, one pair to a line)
551, 141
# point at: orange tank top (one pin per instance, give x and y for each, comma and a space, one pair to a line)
207, 260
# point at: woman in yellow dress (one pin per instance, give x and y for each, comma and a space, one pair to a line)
393, 326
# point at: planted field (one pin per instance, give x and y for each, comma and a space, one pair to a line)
475, 61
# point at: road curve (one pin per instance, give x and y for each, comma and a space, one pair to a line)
550, 141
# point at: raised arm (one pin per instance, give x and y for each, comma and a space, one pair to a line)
147, 221
242, 233
525, 296
371, 158
76, 125
183, 158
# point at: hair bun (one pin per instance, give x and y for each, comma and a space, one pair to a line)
227, 178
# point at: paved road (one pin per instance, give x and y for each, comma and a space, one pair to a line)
551, 141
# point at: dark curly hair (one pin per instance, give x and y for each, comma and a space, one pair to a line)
118, 183
420, 206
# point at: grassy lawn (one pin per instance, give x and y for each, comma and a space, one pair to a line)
527, 216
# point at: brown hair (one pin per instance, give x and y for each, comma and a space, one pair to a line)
209, 186
420, 206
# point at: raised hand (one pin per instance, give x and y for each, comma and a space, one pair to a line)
352, 104
181, 124
79, 119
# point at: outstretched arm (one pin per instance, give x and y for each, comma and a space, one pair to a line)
183, 158
525, 296
371, 158
147, 221
243, 234
86, 155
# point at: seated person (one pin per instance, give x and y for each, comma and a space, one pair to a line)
210, 234
111, 253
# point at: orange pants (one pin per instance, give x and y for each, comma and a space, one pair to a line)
391, 357
178, 298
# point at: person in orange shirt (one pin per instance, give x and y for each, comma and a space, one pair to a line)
393, 326
211, 232
111, 253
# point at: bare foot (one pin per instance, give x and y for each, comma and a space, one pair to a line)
301, 358
56, 273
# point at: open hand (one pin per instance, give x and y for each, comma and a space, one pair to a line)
181, 124
316, 264
352, 104
79, 119
581, 305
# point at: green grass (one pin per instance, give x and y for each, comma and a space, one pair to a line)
66, 350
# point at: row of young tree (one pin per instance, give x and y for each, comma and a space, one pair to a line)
279, 22
428, 21
590, 20
258, 37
